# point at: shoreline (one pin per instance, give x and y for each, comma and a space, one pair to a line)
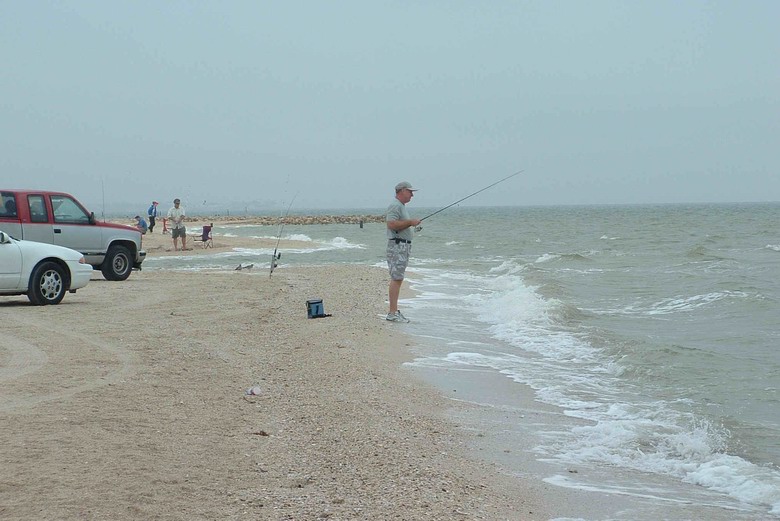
141, 411
145, 399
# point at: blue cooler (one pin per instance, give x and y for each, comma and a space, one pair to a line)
315, 308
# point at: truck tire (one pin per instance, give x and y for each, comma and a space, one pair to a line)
118, 263
48, 284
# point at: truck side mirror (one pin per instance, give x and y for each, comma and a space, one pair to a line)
92, 219
4, 238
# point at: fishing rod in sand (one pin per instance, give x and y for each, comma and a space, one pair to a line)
418, 228
276, 254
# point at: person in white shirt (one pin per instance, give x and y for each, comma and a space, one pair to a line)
176, 218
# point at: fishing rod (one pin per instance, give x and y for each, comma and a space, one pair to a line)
468, 196
276, 256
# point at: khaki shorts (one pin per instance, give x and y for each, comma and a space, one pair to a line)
398, 258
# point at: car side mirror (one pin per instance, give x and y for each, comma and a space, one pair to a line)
4, 238
92, 219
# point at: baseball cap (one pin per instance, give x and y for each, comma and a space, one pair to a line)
155, 202
404, 184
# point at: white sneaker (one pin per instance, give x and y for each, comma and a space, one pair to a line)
396, 317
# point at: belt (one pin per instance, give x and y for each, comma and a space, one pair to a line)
400, 240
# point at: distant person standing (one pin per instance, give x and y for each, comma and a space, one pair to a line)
152, 214
399, 245
176, 218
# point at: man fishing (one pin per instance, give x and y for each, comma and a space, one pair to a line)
399, 244
399, 238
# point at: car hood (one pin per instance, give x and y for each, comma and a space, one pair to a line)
44, 249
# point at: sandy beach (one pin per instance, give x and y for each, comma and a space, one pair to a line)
129, 401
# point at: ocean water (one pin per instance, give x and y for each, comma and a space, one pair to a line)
653, 330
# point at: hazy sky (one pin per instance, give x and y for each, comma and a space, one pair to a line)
249, 102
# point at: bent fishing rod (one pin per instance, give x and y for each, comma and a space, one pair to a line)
418, 228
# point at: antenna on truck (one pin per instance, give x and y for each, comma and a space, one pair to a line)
103, 190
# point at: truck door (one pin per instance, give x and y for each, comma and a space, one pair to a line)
39, 228
72, 228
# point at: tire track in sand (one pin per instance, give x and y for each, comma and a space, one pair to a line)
39, 370
23, 358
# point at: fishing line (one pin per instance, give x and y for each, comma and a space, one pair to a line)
276, 256
418, 228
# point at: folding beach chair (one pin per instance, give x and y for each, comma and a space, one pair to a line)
205, 236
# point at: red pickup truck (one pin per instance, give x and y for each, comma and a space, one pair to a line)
58, 218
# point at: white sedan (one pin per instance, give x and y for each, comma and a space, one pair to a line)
44, 272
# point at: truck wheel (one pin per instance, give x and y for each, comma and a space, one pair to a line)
117, 265
47, 284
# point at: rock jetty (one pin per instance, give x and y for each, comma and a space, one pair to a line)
291, 219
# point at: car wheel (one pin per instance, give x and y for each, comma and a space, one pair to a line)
47, 284
117, 264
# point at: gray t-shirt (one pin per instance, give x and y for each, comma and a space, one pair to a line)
397, 212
